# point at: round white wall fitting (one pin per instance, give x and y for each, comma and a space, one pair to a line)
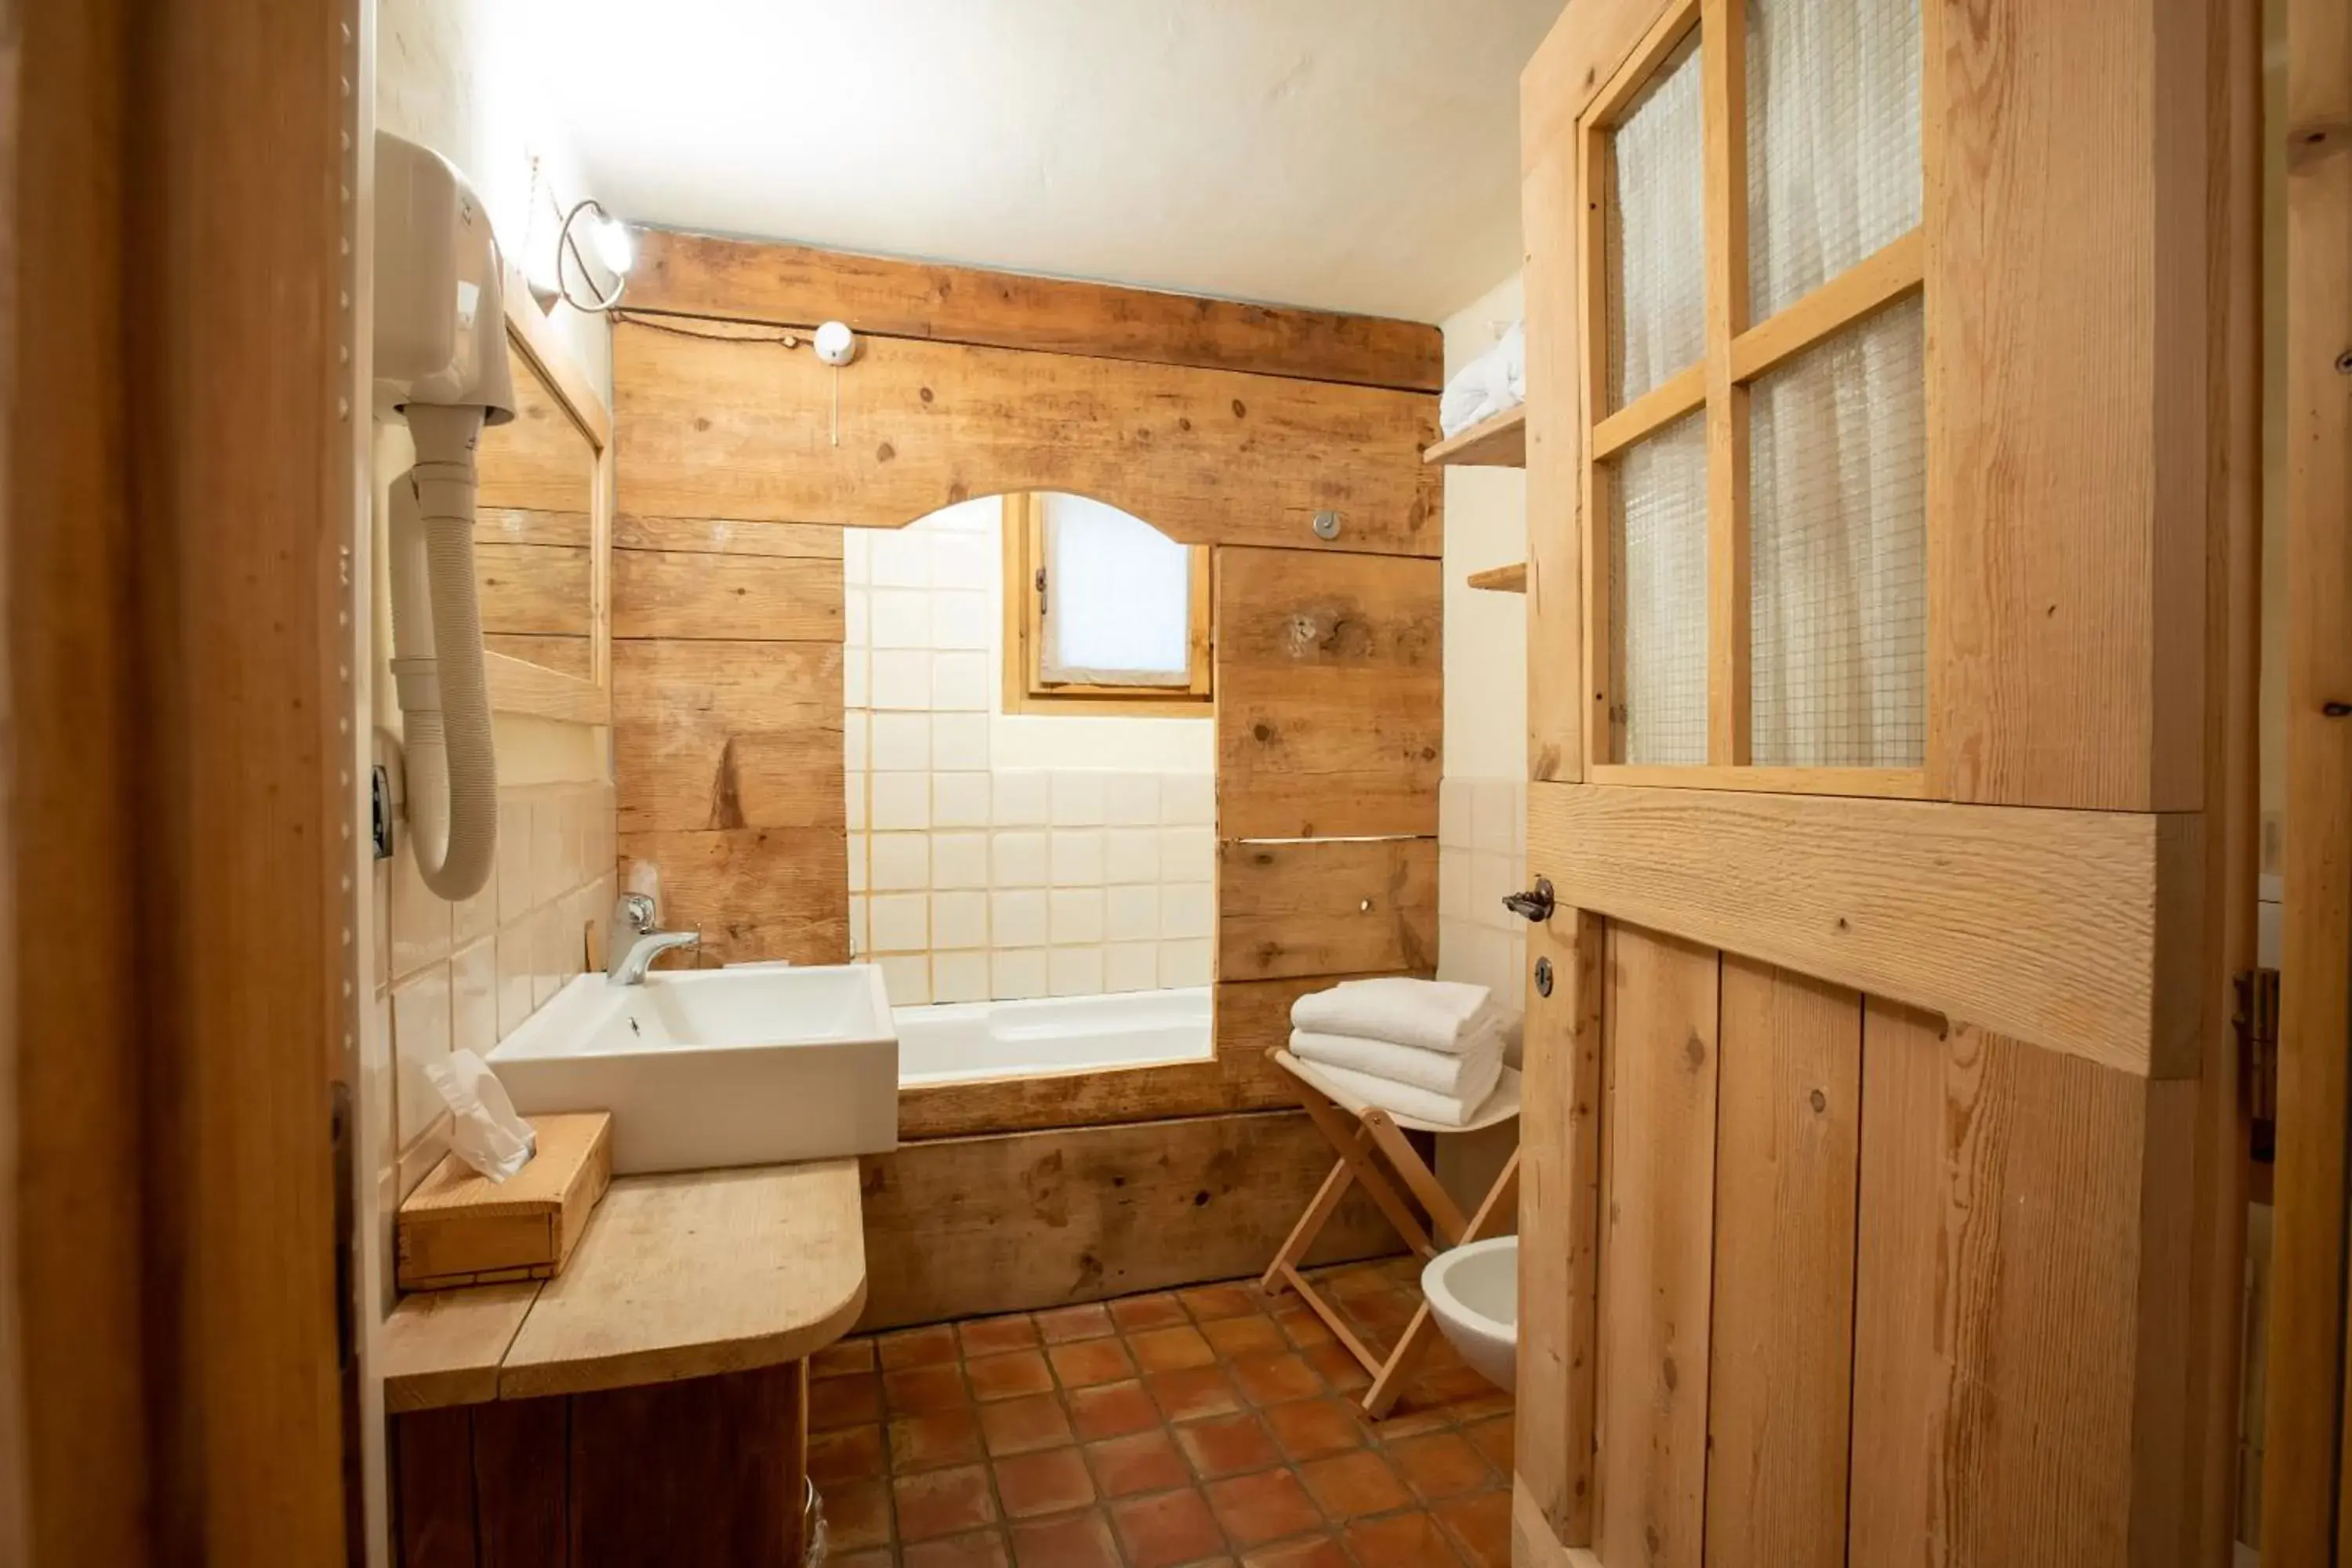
836, 343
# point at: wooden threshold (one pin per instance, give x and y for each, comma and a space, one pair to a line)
1882, 784
1511, 579
1500, 442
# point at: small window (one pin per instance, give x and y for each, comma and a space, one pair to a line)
1104, 614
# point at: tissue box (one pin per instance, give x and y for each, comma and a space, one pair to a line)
458, 1229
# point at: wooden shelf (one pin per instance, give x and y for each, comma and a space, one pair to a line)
1511, 579
1497, 443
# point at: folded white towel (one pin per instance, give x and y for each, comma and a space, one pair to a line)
1403, 1099
1470, 1075
1488, 385
1435, 1015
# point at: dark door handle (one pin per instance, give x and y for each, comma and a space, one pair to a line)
1534, 906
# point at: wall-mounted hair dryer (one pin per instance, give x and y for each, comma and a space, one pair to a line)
440, 366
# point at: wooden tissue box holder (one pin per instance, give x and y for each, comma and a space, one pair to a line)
458, 1229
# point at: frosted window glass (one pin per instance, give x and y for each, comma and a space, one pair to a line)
1838, 462
1834, 160
1118, 598
1656, 237
1658, 594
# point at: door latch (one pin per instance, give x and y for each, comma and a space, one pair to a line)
1533, 906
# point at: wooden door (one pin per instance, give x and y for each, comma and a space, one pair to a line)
1891, 527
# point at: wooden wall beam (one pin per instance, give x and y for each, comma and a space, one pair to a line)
2078, 931
793, 285
1334, 906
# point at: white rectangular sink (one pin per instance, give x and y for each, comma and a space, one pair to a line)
700, 1069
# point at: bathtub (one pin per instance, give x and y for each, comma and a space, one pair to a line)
955, 1042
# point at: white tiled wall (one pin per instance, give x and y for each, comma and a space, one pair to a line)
463, 976
1482, 855
972, 877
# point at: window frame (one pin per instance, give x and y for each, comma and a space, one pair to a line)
1738, 349
1025, 689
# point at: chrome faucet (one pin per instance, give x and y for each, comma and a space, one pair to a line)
634, 944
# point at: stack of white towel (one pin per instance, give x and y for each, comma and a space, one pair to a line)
1488, 385
1430, 1049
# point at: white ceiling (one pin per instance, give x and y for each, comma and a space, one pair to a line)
1348, 155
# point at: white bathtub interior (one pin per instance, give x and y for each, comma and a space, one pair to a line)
955, 1042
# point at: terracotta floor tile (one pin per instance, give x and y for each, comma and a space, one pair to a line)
920, 1390
942, 1502
1194, 1392
1268, 1506
1010, 1375
1168, 1350
935, 1441
1321, 1551
1227, 1446
1406, 1539
1481, 1527
881, 1557
1493, 1439
1359, 1282
1208, 1301
1054, 1480
1300, 1326
858, 1515
981, 1549
842, 1356
1277, 1379
1452, 1386
918, 1347
1408, 1418
1255, 1334
1440, 1465
1081, 1540
1171, 1527
1338, 1368
1133, 1314
1143, 1462
1024, 1425
995, 1336
852, 1401
1062, 1324
1112, 1410
849, 1454
1085, 1362
1352, 1485
1312, 1428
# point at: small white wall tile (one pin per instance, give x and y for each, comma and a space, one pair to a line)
1188, 909
859, 943
907, 979
958, 919
1520, 817
550, 936
1492, 822
1076, 915
1490, 883
1018, 860
1188, 855
517, 958
420, 1034
959, 741
856, 688
901, 742
1017, 975
1023, 799
1076, 971
1454, 812
960, 681
417, 919
1453, 948
960, 621
1131, 855
857, 618
960, 977
902, 619
475, 919
1132, 800
1188, 800
854, 553
1017, 918
1077, 799
960, 800
1453, 881
901, 800
897, 862
898, 922
899, 558
1184, 963
857, 856
856, 740
1077, 857
1131, 966
902, 679
961, 559
514, 862
1131, 914
852, 802
959, 859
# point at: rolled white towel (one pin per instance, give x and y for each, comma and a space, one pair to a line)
1404, 1099
1488, 385
1470, 1075
1435, 1015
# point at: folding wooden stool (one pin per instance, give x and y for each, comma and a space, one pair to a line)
1369, 1138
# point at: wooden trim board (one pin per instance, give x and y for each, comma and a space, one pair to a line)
2040, 924
1499, 441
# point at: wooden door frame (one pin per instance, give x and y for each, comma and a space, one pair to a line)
178, 511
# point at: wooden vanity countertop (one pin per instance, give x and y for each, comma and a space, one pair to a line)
677, 1277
